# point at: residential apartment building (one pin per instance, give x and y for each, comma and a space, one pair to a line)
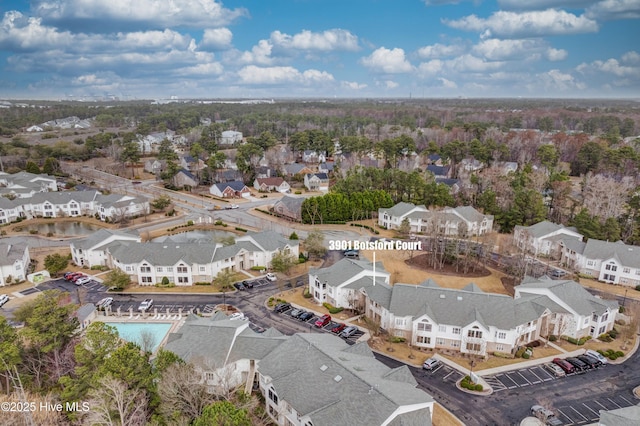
14, 262
467, 320
112, 207
188, 263
25, 184
349, 386
449, 221
93, 250
544, 238
615, 263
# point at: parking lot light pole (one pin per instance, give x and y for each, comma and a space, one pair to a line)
624, 300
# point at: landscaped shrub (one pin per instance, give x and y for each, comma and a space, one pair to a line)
189, 223
293, 236
502, 355
332, 309
397, 339
533, 344
99, 268
638, 287
258, 268
613, 333
581, 341
240, 229
553, 338
202, 283
604, 337
478, 387
307, 294
520, 351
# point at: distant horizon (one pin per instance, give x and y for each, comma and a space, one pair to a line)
152, 49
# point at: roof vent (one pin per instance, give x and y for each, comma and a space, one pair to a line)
442, 296
164, 246
459, 297
337, 378
323, 367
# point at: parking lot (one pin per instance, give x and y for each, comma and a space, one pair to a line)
443, 373
519, 378
588, 411
327, 328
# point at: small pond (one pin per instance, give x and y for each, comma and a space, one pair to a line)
195, 236
60, 229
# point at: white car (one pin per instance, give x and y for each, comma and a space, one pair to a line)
104, 303
271, 276
597, 355
145, 305
82, 280
232, 206
237, 316
3, 299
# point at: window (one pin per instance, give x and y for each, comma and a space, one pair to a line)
456, 330
455, 344
146, 280
499, 348
182, 269
594, 317
159, 269
602, 330
183, 280
605, 316
475, 334
440, 341
273, 396
424, 326
442, 328
626, 270
590, 262
202, 268
128, 268
502, 335
425, 340
145, 269
169, 268
399, 322
610, 267
609, 277
637, 271
474, 347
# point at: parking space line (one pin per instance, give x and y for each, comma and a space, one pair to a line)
525, 379
566, 417
580, 414
592, 410
533, 372
596, 401
626, 400
507, 377
614, 403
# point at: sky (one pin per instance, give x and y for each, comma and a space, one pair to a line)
156, 49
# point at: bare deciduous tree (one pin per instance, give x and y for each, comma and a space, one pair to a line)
113, 403
183, 393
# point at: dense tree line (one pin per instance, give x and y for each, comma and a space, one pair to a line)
339, 207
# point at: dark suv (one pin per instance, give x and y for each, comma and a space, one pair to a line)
579, 365
590, 361
282, 307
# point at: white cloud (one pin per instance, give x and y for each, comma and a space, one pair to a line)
554, 80
440, 50
631, 57
448, 84
470, 63
610, 66
259, 54
496, 49
208, 69
388, 84
556, 54
216, 39
252, 74
614, 9
526, 24
387, 61
352, 85
155, 13
544, 4
430, 68
19, 33
326, 41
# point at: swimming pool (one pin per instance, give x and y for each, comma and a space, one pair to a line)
138, 332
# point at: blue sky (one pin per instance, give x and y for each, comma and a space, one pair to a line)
53, 49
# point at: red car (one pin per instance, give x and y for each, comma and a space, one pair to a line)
323, 320
338, 328
77, 277
565, 365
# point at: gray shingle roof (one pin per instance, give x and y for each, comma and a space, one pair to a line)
627, 416
348, 388
9, 253
97, 238
268, 240
226, 252
344, 270
165, 253
543, 228
400, 209
457, 307
293, 204
571, 293
602, 250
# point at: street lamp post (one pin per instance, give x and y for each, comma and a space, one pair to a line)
624, 300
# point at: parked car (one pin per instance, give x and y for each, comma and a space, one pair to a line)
145, 305
351, 253
323, 320
66, 275
566, 366
430, 364
597, 355
555, 369
590, 361
305, 316
338, 328
77, 276
282, 307
237, 316
295, 313
239, 286
232, 206
558, 273
83, 280
3, 299
104, 303
546, 415
349, 331
271, 276
579, 365
247, 284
